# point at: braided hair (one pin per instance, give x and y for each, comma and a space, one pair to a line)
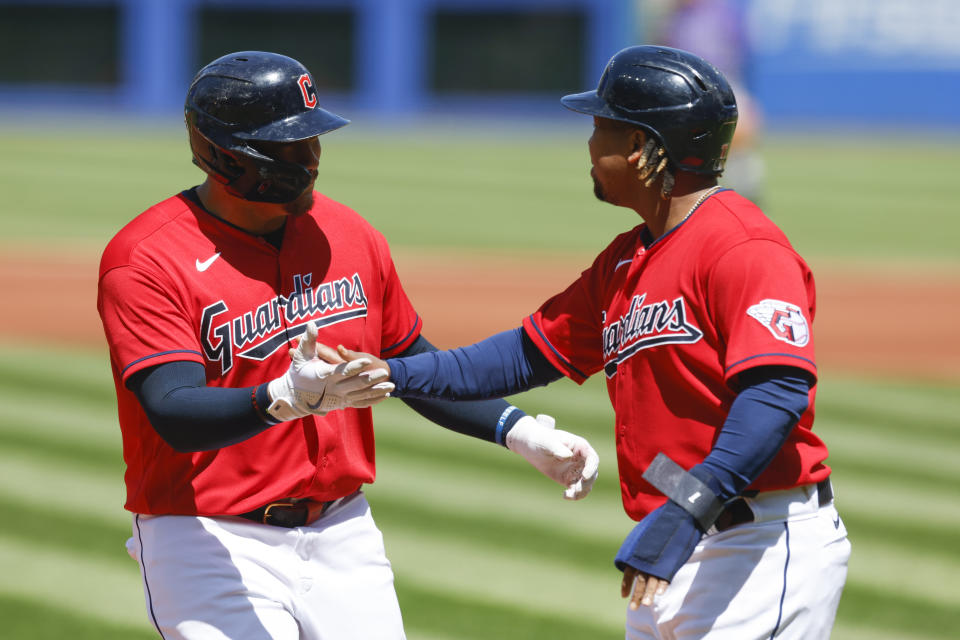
653, 163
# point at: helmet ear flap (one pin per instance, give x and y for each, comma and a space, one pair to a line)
216, 161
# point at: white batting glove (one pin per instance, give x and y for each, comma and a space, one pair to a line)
311, 385
579, 445
561, 456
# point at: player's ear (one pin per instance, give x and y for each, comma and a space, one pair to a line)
637, 139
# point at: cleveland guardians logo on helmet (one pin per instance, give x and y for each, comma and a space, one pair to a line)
248, 97
309, 93
679, 98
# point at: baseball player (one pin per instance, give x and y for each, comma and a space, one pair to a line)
700, 320
249, 517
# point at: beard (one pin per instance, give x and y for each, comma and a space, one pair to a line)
302, 204
598, 188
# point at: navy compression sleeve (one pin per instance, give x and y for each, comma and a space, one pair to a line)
763, 414
485, 419
501, 365
191, 416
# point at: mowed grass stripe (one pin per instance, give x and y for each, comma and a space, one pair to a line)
63, 488
471, 491
82, 535
77, 365
67, 450
62, 420
844, 629
931, 417
26, 619
866, 469
81, 585
898, 456
890, 530
552, 542
90, 386
423, 443
927, 503
505, 577
435, 614
896, 569
888, 606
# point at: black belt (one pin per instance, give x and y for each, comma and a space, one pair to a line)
738, 511
292, 512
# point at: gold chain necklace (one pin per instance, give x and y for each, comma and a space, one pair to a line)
706, 194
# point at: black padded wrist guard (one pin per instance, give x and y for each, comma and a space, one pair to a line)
687, 491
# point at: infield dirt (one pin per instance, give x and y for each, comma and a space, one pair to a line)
891, 323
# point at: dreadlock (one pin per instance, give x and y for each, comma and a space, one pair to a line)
654, 162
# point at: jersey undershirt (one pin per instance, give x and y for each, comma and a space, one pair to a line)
178, 283
672, 322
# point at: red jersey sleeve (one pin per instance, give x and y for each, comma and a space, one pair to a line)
568, 329
761, 296
143, 323
401, 324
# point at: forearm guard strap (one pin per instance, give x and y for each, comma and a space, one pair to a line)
689, 492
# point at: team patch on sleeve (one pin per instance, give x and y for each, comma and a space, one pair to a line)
784, 320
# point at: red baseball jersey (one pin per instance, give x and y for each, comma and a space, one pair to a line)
178, 283
671, 325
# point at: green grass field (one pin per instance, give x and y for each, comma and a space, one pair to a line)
482, 546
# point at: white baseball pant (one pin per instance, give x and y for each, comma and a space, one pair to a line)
227, 578
779, 576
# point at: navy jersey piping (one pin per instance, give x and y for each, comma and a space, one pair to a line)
416, 325
157, 355
555, 352
767, 355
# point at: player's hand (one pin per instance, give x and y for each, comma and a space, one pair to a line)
311, 385
561, 456
653, 552
582, 448
347, 355
373, 377
641, 587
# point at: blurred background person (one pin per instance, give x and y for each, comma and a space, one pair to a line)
716, 30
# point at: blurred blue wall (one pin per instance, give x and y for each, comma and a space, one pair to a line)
158, 41
857, 62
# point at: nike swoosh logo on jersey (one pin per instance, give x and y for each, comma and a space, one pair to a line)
203, 266
623, 262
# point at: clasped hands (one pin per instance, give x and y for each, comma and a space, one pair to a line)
318, 386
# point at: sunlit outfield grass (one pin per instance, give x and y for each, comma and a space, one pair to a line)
482, 188
482, 546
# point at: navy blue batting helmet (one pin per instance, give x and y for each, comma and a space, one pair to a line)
254, 96
678, 97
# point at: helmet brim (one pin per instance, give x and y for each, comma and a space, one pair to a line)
315, 122
591, 104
